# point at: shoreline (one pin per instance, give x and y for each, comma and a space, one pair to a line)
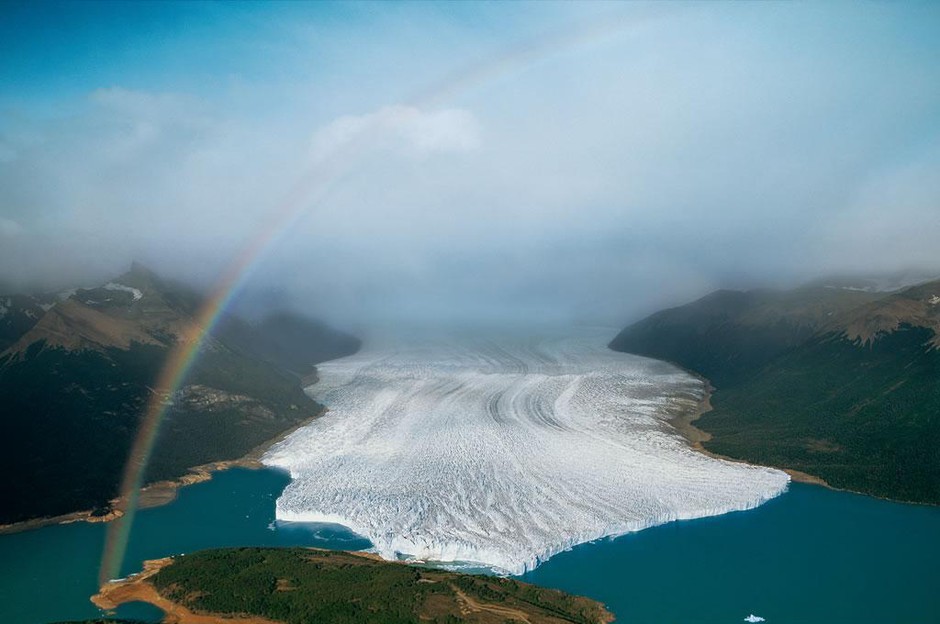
685, 425
162, 493
137, 588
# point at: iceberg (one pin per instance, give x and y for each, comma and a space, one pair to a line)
502, 453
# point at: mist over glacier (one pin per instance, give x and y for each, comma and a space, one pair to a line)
503, 452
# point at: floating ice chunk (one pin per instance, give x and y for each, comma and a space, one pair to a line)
753, 618
503, 454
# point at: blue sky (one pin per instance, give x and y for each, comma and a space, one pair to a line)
578, 160
59, 51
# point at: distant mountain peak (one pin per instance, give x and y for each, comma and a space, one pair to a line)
138, 268
140, 277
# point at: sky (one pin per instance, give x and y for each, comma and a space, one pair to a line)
507, 162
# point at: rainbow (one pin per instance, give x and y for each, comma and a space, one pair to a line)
180, 361
305, 194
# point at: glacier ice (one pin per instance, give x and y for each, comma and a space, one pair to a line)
501, 453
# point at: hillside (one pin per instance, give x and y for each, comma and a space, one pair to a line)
852, 397
918, 306
19, 313
291, 342
726, 334
298, 585
75, 383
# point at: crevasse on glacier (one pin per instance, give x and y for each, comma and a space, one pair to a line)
503, 453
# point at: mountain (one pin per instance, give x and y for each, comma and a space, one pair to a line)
843, 384
76, 379
727, 334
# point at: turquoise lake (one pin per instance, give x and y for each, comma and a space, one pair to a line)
811, 555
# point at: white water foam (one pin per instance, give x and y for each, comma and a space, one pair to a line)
504, 452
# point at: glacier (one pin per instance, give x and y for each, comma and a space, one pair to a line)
501, 452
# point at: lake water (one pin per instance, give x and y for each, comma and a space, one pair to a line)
811, 555
50, 573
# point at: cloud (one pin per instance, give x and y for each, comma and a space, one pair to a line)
9, 228
403, 129
716, 146
894, 212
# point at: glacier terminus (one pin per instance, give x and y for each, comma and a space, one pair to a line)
500, 452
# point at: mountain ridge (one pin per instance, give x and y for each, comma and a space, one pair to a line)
76, 381
916, 306
841, 384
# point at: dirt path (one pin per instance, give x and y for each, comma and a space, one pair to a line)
473, 605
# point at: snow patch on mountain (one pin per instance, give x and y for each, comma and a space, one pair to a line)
133, 291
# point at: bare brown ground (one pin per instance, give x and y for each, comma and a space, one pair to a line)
138, 588
469, 604
73, 325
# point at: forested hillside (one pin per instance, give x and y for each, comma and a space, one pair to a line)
76, 380
840, 384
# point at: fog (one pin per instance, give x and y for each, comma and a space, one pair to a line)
513, 163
